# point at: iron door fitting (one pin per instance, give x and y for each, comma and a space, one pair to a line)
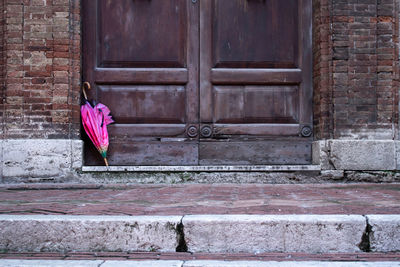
192, 131
306, 131
206, 131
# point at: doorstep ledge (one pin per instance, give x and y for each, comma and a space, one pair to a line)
254, 168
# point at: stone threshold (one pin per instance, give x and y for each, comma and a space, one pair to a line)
191, 263
238, 168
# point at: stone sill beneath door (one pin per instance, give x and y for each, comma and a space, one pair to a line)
254, 168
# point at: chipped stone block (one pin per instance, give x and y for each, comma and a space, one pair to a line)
41, 157
320, 154
355, 154
88, 233
76, 154
385, 233
273, 233
363, 155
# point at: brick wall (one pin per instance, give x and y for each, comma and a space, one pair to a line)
42, 67
356, 69
322, 67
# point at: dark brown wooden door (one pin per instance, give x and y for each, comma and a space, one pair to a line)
255, 81
204, 82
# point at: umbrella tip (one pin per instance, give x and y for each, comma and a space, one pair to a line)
106, 162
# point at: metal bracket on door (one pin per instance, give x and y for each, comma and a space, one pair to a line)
306, 131
206, 131
192, 131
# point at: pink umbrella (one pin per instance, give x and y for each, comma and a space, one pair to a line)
95, 121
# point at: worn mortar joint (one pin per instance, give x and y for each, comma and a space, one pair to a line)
365, 244
182, 245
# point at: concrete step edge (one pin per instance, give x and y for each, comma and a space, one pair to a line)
202, 233
200, 263
211, 168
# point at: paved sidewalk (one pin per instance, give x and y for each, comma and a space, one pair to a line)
77, 199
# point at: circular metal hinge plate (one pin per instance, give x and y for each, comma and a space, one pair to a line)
306, 131
192, 131
206, 131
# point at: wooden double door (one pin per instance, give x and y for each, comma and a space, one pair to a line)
201, 82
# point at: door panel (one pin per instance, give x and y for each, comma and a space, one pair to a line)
143, 153
255, 152
132, 32
141, 58
255, 81
255, 33
255, 104
144, 103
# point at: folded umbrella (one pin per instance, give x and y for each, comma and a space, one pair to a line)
95, 120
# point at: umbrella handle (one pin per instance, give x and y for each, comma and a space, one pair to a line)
87, 84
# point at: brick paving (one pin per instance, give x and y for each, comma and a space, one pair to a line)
78, 199
184, 256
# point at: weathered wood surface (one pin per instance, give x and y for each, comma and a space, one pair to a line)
167, 69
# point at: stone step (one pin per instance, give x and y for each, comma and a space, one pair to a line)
201, 233
207, 218
107, 263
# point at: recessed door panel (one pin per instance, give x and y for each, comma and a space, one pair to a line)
255, 33
139, 33
133, 104
256, 104
255, 152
